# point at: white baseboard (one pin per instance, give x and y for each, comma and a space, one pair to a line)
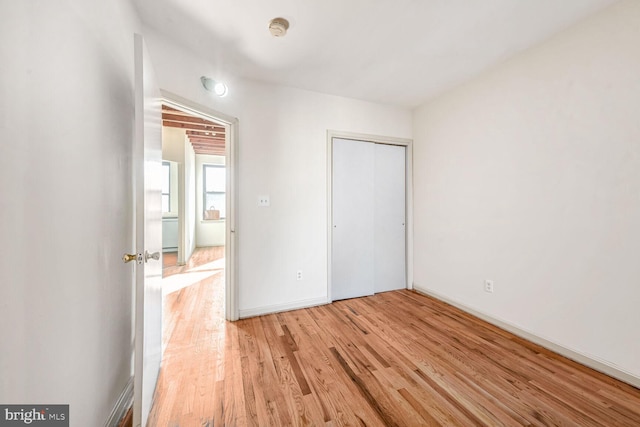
122, 405
269, 309
598, 365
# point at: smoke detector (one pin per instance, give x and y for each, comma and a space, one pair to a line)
278, 27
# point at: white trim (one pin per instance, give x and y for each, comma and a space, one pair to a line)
231, 239
589, 361
125, 401
329, 210
404, 142
369, 138
269, 309
409, 214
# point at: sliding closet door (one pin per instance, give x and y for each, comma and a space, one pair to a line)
352, 251
389, 218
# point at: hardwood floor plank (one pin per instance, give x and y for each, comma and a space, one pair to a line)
396, 358
293, 362
249, 396
383, 362
255, 382
438, 406
381, 408
218, 399
271, 371
418, 408
234, 401
288, 337
334, 394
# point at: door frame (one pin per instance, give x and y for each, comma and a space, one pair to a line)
376, 139
231, 163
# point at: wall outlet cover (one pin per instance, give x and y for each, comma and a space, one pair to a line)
488, 286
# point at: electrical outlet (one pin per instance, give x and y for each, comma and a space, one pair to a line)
299, 275
488, 286
263, 201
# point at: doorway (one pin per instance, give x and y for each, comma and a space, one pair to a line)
370, 184
199, 290
202, 143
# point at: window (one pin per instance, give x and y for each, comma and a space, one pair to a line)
166, 187
214, 185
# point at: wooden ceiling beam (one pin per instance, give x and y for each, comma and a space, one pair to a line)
183, 116
189, 126
197, 126
207, 140
167, 108
189, 119
205, 136
201, 134
170, 110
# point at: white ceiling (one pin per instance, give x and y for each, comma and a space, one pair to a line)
400, 52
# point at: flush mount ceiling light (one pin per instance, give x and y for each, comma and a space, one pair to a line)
278, 27
216, 87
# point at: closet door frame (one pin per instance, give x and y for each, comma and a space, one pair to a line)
408, 144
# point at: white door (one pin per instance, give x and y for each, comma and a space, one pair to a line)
352, 254
368, 237
147, 172
389, 218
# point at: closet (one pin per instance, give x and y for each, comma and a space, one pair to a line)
368, 236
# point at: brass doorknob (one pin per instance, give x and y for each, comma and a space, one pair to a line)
129, 257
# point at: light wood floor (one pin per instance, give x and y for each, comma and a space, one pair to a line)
200, 257
393, 359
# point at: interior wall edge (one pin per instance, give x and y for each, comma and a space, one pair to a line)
596, 364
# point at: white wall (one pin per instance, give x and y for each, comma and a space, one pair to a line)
283, 154
170, 222
210, 232
173, 140
174, 190
176, 148
530, 175
66, 212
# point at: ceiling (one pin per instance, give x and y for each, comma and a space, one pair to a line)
401, 52
205, 136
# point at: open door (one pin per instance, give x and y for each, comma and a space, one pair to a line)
147, 173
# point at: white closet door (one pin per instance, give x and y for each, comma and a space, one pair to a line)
389, 218
352, 251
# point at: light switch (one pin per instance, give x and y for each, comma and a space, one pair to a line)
263, 201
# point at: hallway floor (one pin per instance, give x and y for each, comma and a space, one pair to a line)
193, 328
